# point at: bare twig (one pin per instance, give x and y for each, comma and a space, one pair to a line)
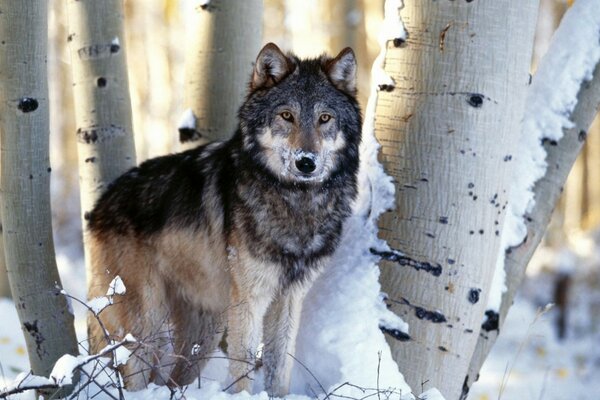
20, 388
311, 374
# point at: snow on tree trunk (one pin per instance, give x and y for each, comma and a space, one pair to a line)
25, 175
102, 105
225, 40
448, 122
561, 104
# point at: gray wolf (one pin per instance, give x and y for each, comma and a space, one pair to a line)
229, 236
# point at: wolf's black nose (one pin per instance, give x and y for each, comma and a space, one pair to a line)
306, 165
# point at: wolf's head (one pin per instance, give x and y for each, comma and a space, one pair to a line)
301, 121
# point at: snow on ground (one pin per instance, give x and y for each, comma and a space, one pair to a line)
528, 358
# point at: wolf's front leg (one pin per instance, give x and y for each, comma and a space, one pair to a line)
281, 328
250, 299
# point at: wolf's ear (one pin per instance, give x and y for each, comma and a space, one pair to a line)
342, 71
271, 67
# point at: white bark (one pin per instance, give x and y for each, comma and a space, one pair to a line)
4, 286
25, 174
101, 92
561, 156
446, 124
225, 40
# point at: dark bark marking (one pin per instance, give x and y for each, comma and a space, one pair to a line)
33, 330
465, 388
99, 134
421, 313
98, 51
491, 322
551, 142
434, 269
474, 295
28, 104
434, 316
395, 333
475, 100
386, 88
399, 42
443, 33
188, 135
443, 220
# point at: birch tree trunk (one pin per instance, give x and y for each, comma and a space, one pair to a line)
25, 175
560, 157
448, 127
101, 92
226, 38
4, 286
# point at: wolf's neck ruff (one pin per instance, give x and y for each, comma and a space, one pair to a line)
292, 224
232, 234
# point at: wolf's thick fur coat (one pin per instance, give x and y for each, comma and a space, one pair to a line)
230, 235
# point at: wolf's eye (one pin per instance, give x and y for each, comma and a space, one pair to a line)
287, 116
323, 118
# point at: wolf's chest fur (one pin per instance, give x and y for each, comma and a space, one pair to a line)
292, 226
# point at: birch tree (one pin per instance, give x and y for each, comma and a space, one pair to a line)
226, 38
447, 118
25, 175
102, 105
4, 286
561, 105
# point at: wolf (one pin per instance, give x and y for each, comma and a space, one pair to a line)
228, 237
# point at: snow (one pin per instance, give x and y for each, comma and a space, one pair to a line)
431, 394
552, 96
121, 355
25, 379
97, 304
187, 120
62, 373
116, 286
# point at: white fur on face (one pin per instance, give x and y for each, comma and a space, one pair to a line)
281, 158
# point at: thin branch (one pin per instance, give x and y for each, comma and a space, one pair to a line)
311, 374
19, 388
